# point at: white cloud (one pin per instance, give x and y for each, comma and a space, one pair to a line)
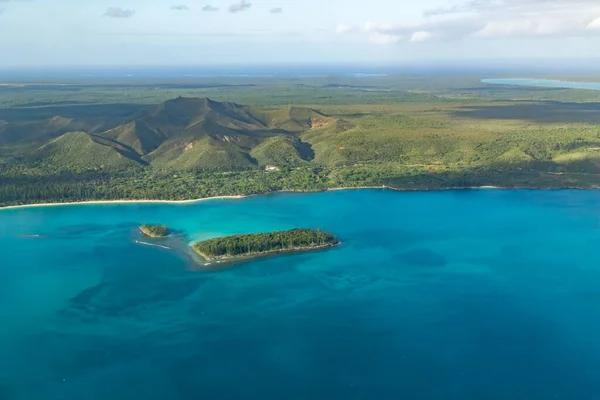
531, 27
490, 19
276, 10
420, 36
210, 8
595, 24
117, 12
389, 33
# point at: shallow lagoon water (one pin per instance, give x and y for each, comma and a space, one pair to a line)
549, 83
482, 294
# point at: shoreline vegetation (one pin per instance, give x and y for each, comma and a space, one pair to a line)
143, 201
237, 197
248, 246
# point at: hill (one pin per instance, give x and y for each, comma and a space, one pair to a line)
178, 134
37, 132
283, 151
79, 151
201, 133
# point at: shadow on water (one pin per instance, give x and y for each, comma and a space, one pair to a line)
547, 112
423, 258
5, 391
109, 299
528, 348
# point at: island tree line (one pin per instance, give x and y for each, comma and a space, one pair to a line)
265, 242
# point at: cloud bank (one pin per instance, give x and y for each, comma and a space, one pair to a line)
489, 19
510, 6
210, 8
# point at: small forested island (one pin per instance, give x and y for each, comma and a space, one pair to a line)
258, 244
154, 230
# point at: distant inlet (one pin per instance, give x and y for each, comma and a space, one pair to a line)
547, 83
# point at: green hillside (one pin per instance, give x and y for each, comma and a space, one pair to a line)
41, 131
283, 151
78, 151
199, 133
205, 153
295, 119
137, 135
37, 131
179, 134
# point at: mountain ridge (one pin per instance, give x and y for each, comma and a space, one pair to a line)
181, 133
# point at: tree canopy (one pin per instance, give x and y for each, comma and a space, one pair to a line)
257, 243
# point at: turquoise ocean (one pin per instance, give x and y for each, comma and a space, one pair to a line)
474, 294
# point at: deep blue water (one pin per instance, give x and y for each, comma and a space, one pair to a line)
483, 294
550, 83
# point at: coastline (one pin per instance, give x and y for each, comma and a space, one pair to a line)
90, 202
236, 197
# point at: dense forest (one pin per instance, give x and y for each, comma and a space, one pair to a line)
258, 243
16, 189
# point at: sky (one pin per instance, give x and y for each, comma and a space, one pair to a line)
212, 32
